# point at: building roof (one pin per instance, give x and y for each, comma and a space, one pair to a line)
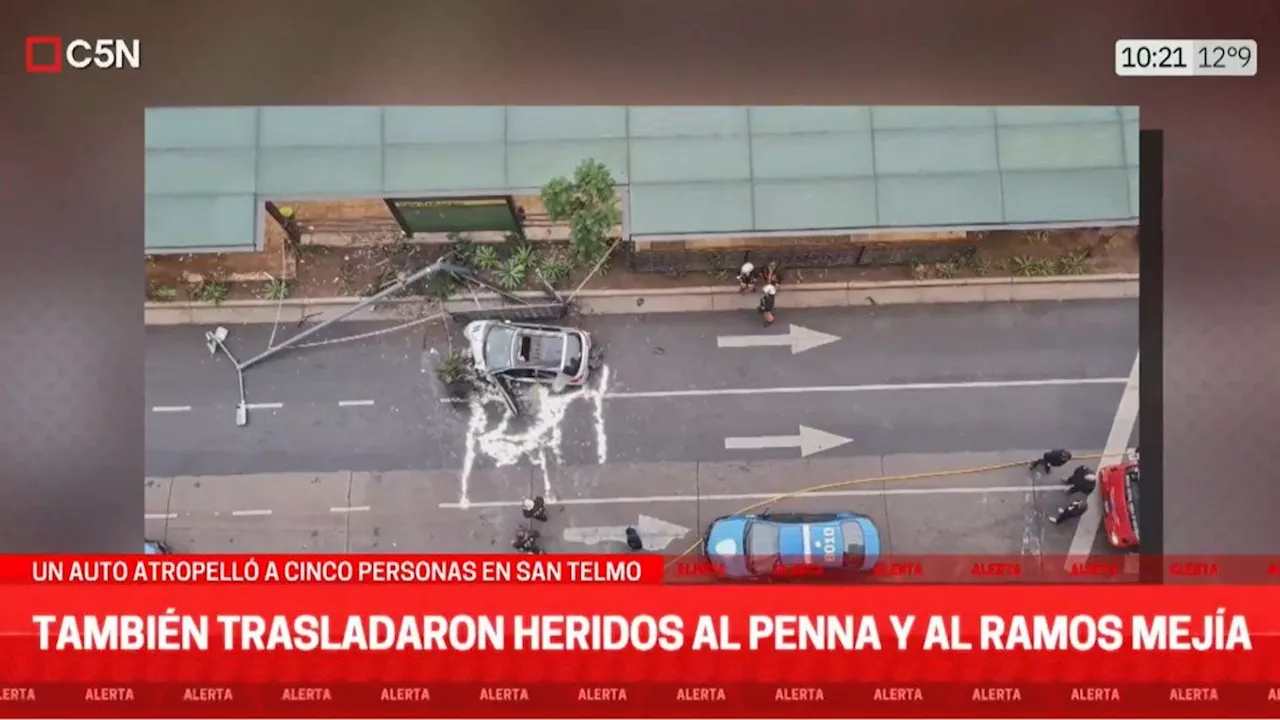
689, 170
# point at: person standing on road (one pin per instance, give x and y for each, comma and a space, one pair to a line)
634, 542
1050, 460
766, 304
1070, 512
1081, 482
534, 508
526, 541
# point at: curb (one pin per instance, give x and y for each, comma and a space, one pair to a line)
693, 299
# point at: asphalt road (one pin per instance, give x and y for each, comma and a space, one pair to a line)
1000, 512
1046, 373
350, 447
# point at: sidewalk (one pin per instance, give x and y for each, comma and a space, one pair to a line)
694, 299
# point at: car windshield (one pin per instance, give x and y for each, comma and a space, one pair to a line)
498, 347
761, 542
854, 541
573, 355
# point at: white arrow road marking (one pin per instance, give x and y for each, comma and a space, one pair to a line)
799, 339
657, 534
810, 441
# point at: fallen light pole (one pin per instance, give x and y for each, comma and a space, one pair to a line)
426, 273
216, 339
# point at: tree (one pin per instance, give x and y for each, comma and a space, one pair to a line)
589, 205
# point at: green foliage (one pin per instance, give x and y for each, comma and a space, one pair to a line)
512, 273
919, 271
554, 268
1031, 267
462, 250
1076, 263
456, 369
945, 270
486, 258
278, 289
983, 267
211, 291
522, 255
441, 286
589, 205
162, 293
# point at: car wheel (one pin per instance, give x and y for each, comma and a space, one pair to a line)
595, 360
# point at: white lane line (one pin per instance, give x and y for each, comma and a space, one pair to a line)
171, 408
765, 496
160, 516
979, 385
250, 513
264, 406
355, 403
987, 385
354, 509
1112, 453
1132, 563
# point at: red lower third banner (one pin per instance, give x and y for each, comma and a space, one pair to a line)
140, 640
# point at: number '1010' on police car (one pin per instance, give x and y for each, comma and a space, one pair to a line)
769, 545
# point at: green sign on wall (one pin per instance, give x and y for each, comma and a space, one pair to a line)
456, 214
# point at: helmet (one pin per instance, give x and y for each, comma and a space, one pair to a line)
527, 504
747, 268
770, 290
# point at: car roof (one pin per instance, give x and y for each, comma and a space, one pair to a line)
795, 518
539, 349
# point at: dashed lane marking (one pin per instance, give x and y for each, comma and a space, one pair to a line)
355, 509
762, 496
265, 406
160, 516
249, 513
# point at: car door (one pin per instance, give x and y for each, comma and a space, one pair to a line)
507, 393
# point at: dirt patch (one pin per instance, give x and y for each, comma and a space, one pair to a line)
319, 271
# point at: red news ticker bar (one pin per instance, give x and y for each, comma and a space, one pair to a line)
640, 567
814, 699
331, 569
729, 608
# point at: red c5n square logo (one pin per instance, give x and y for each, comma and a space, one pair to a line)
44, 55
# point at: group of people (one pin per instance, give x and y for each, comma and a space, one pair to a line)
1082, 481
534, 509
767, 279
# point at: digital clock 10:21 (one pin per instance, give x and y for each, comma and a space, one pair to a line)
1160, 56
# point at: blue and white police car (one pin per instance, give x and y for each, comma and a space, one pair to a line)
775, 545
